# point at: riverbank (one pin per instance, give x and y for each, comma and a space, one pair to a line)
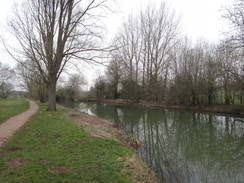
52, 148
224, 109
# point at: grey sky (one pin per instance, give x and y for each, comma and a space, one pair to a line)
200, 18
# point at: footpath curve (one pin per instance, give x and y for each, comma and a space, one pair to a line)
9, 127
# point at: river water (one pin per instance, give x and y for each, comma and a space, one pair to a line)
182, 146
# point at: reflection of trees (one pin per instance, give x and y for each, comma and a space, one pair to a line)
183, 146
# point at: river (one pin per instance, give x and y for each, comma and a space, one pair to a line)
182, 146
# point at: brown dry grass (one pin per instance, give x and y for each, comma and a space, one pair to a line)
95, 126
58, 169
140, 172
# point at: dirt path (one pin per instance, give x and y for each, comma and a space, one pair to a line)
8, 128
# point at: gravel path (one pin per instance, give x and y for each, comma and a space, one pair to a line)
10, 126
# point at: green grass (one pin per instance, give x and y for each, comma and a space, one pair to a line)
11, 107
50, 148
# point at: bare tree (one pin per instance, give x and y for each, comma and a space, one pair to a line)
226, 56
194, 75
30, 79
159, 30
52, 32
144, 45
129, 48
235, 15
6, 74
73, 86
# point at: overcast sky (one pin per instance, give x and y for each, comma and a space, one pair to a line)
200, 18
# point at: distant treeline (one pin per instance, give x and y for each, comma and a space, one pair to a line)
154, 62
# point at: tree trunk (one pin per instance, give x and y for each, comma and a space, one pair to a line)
52, 94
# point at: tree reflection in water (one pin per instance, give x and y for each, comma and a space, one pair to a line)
182, 146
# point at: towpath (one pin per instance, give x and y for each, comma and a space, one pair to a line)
9, 127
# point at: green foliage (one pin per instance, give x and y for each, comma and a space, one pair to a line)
100, 88
131, 90
56, 150
104, 89
71, 91
63, 96
11, 107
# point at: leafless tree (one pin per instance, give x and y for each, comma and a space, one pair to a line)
6, 74
235, 15
144, 45
128, 52
52, 32
231, 68
194, 75
29, 78
160, 27
74, 84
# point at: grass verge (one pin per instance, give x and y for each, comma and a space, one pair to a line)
11, 107
49, 148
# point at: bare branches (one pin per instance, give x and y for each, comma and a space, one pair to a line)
144, 46
6, 76
50, 33
235, 16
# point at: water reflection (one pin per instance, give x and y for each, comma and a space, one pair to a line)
182, 146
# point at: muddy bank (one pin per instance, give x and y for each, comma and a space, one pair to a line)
101, 128
224, 109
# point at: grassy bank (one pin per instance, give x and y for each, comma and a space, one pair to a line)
49, 148
11, 107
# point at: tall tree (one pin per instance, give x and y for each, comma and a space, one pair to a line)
229, 59
235, 15
6, 74
145, 42
113, 75
129, 48
159, 30
52, 32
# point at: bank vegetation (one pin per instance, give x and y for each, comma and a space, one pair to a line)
52, 148
153, 62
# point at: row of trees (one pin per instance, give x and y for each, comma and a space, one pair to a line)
68, 88
153, 62
150, 60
